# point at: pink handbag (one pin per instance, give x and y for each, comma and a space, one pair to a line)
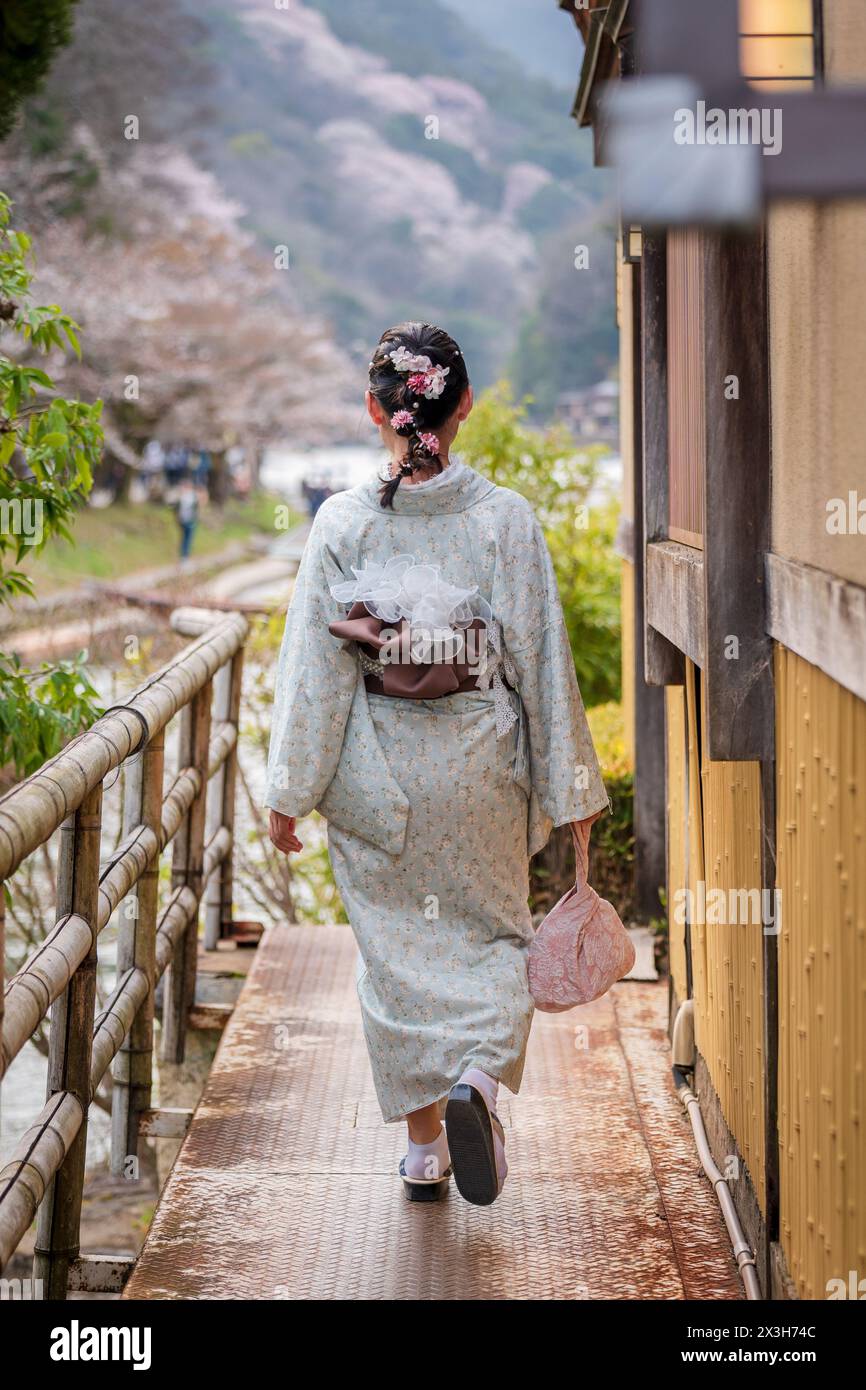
581, 948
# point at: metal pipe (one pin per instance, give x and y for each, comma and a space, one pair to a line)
743, 1253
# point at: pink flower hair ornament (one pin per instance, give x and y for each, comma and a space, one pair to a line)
430, 383
427, 379
402, 420
430, 442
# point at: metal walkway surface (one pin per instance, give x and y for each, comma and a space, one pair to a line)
286, 1186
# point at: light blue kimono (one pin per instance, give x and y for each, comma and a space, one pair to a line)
432, 814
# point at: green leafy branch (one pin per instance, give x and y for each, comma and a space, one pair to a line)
49, 447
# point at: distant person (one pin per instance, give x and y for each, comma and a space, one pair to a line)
312, 495
175, 464
316, 492
186, 510
152, 466
153, 458
243, 483
203, 467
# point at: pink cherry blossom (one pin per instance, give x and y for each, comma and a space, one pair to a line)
430, 383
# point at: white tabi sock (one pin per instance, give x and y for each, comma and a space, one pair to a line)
487, 1085
489, 1088
428, 1160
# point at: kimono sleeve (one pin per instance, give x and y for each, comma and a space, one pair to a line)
566, 777
315, 684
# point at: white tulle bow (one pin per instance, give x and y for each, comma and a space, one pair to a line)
401, 589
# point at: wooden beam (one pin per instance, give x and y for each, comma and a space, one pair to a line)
738, 654
663, 662
649, 701
168, 1122
602, 26
820, 617
210, 1018
694, 37
100, 1273
675, 596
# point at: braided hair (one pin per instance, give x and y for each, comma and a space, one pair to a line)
401, 394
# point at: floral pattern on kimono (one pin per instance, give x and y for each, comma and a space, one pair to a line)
432, 813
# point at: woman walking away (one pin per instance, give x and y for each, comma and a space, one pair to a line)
427, 705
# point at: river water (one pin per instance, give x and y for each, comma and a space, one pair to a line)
283, 471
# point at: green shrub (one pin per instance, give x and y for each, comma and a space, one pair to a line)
611, 847
611, 858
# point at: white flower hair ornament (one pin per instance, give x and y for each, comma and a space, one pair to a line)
425, 379
405, 361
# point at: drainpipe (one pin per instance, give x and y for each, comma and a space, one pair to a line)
683, 1051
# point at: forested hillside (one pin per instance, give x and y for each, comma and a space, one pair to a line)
410, 167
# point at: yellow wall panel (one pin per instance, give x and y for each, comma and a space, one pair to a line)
821, 752
628, 658
733, 1043
723, 819
695, 842
677, 829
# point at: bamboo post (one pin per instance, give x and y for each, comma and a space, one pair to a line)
214, 819
186, 871
136, 949
69, 1055
219, 900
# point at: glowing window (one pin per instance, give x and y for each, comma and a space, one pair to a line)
777, 43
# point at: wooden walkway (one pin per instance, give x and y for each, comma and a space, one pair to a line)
286, 1185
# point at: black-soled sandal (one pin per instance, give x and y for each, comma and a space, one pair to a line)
424, 1189
470, 1126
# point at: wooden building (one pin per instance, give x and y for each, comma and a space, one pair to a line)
743, 426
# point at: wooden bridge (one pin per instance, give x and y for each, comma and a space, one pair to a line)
286, 1186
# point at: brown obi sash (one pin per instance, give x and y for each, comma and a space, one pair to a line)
400, 675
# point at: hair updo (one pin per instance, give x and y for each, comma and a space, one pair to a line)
392, 389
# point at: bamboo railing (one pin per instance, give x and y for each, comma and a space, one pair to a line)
45, 1175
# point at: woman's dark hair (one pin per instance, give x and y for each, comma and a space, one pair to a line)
393, 391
